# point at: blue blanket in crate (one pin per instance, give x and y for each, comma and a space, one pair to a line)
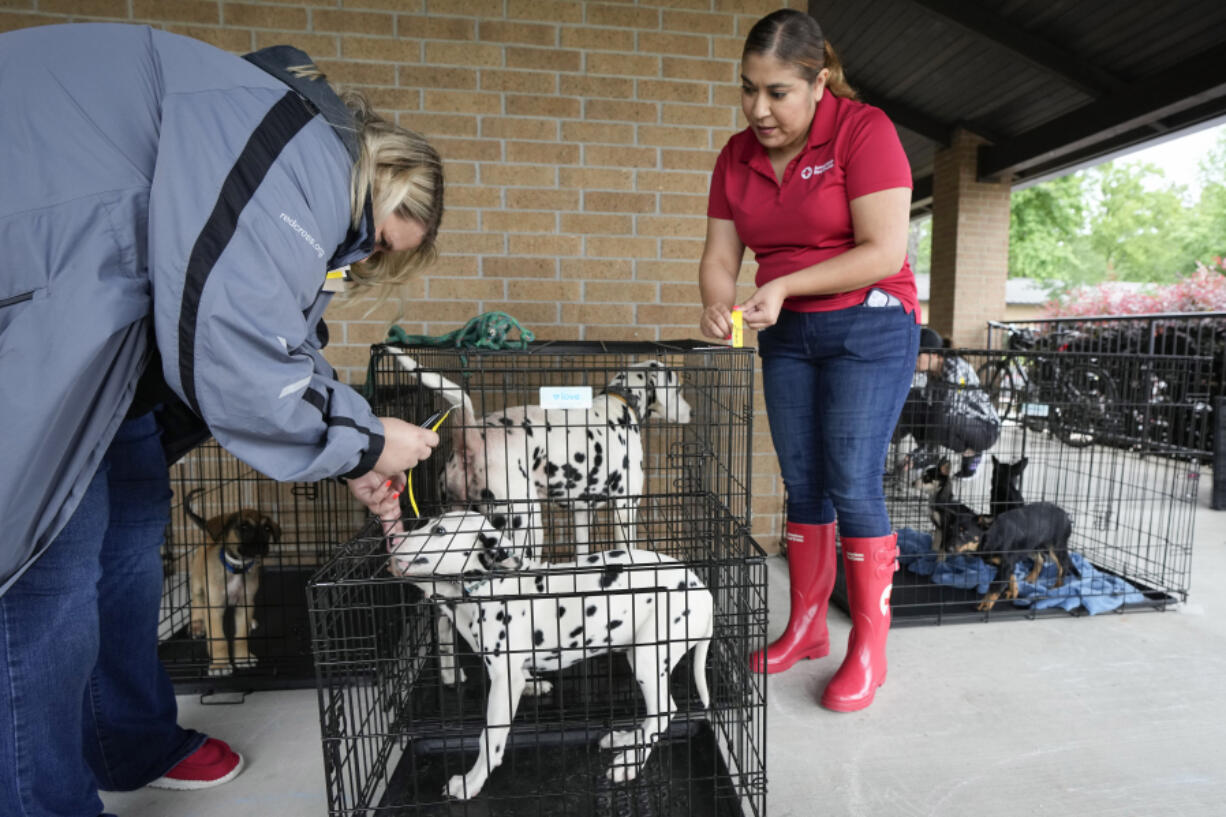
1097, 591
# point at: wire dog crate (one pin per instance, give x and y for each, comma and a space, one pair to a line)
658, 460
394, 734
260, 639
691, 405
1089, 433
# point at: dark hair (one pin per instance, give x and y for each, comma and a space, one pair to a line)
930, 339
795, 38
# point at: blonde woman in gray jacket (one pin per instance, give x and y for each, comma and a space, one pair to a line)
168, 217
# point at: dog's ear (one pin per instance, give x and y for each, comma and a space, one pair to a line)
666, 394
476, 560
217, 527
472, 444
468, 442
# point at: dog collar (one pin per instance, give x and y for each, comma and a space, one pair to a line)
233, 565
626, 396
473, 587
485, 578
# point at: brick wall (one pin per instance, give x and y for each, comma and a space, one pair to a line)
970, 235
578, 139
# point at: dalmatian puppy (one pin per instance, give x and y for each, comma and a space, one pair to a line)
496, 552
642, 604
582, 459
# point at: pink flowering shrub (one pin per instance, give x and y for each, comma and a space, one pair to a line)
1202, 291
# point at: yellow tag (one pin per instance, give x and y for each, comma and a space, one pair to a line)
738, 328
336, 280
432, 422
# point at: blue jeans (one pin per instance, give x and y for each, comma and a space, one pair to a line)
85, 702
835, 383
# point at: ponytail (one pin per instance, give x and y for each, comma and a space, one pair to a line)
836, 82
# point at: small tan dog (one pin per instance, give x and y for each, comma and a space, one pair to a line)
224, 573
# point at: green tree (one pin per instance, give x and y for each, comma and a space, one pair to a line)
919, 245
1209, 240
1139, 227
1047, 232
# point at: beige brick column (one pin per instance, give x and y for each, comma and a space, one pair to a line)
970, 245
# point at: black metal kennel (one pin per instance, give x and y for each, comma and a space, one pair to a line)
393, 733
709, 453
1111, 439
312, 518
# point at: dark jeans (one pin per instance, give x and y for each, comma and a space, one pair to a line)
933, 425
85, 702
834, 384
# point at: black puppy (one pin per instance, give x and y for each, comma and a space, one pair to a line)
954, 524
1007, 485
1028, 532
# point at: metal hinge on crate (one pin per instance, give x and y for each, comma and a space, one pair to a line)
306, 490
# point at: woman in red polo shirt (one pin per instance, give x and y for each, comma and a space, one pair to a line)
819, 188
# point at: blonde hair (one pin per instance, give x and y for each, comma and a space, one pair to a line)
795, 38
403, 175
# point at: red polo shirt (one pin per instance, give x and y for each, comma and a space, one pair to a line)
853, 150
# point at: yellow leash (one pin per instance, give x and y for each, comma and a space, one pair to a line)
432, 422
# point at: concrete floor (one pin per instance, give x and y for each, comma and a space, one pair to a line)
1115, 715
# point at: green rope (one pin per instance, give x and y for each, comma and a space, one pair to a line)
489, 330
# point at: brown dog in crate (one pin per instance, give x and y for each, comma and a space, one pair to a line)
225, 573
580, 459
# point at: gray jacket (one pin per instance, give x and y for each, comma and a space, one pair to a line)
162, 195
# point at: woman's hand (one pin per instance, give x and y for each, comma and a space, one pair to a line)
762, 308
716, 322
381, 494
404, 445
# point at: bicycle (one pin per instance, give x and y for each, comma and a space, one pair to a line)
1031, 385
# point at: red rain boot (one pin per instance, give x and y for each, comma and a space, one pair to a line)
811, 572
869, 566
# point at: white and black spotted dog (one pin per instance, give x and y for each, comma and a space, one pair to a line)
582, 459
640, 603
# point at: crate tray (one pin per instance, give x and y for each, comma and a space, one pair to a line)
564, 773
915, 600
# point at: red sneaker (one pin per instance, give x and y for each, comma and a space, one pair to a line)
212, 764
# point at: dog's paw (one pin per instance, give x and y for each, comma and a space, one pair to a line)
538, 686
461, 788
220, 670
451, 677
618, 740
246, 663
625, 766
